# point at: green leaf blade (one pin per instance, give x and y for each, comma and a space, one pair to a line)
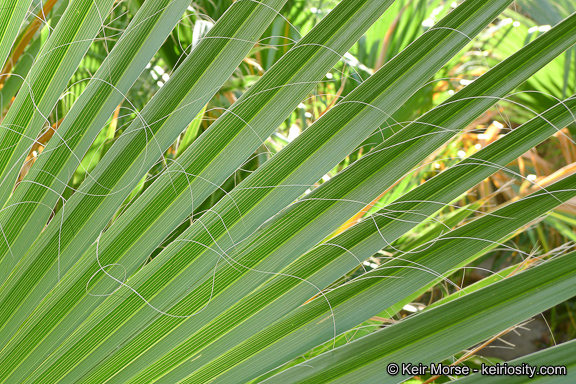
12, 15
54, 66
441, 332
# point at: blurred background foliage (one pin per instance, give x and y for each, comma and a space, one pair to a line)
400, 25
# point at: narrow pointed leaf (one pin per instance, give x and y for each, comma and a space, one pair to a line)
83, 216
12, 15
435, 335
54, 66
48, 177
